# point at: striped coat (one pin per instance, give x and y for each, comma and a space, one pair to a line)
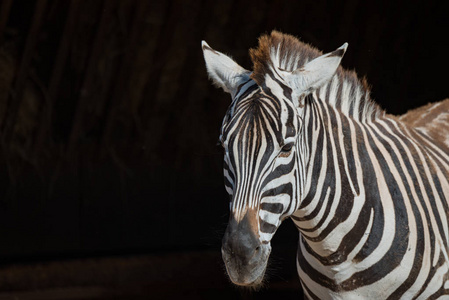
367, 191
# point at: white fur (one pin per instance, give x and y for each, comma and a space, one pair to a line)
315, 73
224, 72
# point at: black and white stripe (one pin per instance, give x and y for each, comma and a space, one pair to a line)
368, 193
253, 135
374, 216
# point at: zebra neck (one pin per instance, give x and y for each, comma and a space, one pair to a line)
349, 96
375, 198
334, 192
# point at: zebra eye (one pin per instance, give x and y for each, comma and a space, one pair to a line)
287, 148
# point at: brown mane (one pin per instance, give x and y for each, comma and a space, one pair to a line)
288, 46
286, 52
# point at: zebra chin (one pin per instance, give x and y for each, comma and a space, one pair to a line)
247, 271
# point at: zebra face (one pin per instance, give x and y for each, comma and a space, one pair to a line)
264, 152
259, 136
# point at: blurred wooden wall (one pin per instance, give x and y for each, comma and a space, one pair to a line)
106, 145
108, 122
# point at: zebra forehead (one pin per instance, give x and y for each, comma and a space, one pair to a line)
263, 103
259, 113
252, 123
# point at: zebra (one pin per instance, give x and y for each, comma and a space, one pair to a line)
367, 191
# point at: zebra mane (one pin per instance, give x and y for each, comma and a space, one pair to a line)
283, 51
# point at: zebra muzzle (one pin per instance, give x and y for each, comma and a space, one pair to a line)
244, 255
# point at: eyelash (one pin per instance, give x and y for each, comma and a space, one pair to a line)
287, 148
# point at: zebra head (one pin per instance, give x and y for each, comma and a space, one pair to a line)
265, 152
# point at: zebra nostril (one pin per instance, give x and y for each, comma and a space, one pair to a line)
257, 248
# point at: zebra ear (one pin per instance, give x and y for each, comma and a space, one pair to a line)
316, 73
223, 71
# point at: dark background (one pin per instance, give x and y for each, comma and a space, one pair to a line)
108, 127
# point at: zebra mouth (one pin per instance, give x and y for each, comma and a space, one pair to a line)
245, 277
247, 272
